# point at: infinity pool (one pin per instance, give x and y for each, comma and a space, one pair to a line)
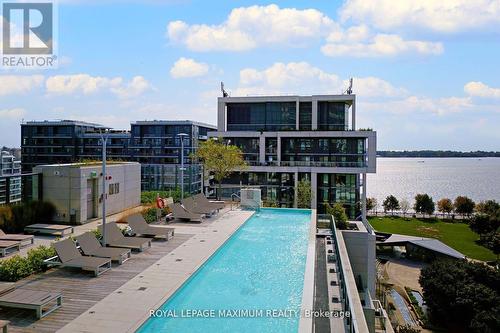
253, 283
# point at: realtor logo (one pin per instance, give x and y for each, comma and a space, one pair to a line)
28, 35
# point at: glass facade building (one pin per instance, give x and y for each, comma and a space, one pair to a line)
286, 139
154, 144
10, 185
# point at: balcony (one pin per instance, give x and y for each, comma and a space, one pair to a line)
315, 164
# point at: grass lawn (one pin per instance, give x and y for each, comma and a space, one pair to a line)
455, 235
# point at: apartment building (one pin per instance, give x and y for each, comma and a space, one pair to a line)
156, 145
10, 184
286, 139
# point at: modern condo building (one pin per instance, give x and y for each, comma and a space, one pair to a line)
10, 180
286, 139
155, 144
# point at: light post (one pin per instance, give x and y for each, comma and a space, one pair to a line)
104, 141
182, 136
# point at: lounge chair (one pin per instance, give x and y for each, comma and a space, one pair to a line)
7, 247
49, 229
202, 200
69, 256
140, 227
115, 238
191, 205
181, 213
29, 239
90, 246
24, 298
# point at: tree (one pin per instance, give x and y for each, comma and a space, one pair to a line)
220, 159
482, 224
445, 206
424, 204
304, 194
464, 206
405, 206
339, 214
371, 203
492, 242
488, 207
462, 294
391, 204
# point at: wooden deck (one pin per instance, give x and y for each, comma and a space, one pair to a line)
81, 290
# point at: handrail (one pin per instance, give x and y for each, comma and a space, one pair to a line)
232, 196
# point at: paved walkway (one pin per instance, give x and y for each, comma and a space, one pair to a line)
125, 309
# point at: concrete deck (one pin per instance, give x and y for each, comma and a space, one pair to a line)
126, 308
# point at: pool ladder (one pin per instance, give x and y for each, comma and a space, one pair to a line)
232, 199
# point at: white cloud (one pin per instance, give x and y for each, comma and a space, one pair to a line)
442, 16
357, 44
137, 86
16, 113
18, 84
303, 78
418, 104
87, 84
479, 89
185, 67
249, 27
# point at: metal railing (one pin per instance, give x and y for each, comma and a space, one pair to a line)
233, 195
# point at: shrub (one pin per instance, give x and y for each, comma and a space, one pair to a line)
149, 215
38, 255
149, 197
25, 214
17, 267
338, 212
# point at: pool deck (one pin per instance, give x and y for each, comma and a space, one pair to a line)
126, 308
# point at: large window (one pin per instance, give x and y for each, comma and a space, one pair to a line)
329, 152
332, 116
341, 188
272, 116
305, 116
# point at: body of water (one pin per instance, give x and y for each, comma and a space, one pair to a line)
479, 179
260, 268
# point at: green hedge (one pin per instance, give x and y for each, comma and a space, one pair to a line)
14, 218
149, 197
17, 267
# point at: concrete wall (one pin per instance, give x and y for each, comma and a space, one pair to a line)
65, 185
360, 246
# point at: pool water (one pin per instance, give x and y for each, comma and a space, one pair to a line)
258, 270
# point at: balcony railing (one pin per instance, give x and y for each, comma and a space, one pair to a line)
316, 164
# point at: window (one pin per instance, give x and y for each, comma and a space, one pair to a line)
114, 188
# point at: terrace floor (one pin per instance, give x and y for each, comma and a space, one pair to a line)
120, 299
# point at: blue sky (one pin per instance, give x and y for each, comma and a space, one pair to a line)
426, 73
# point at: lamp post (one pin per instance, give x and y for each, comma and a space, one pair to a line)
104, 141
182, 136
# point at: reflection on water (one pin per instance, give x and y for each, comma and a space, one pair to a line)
478, 179
401, 306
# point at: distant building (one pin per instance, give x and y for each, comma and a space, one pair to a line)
10, 185
286, 139
154, 144
76, 189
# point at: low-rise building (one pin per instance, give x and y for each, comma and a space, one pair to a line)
76, 189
